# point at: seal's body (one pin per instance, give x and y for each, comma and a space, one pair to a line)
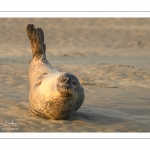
53, 95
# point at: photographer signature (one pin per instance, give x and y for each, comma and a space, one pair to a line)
9, 123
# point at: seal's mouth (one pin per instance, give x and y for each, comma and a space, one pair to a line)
67, 95
65, 90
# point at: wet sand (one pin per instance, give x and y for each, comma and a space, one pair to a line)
109, 56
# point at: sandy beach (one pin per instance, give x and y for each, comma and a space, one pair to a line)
111, 58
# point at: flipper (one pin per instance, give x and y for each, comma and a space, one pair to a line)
36, 37
37, 113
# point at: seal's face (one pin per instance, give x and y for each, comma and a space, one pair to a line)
68, 85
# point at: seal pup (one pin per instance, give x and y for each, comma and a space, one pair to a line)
53, 94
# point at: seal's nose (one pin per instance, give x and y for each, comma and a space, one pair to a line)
64, 79
67, 78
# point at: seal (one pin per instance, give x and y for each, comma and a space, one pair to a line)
53, 94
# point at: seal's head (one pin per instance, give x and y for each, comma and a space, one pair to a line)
67, 84
61, 94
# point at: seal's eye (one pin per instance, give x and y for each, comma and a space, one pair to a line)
74, 83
